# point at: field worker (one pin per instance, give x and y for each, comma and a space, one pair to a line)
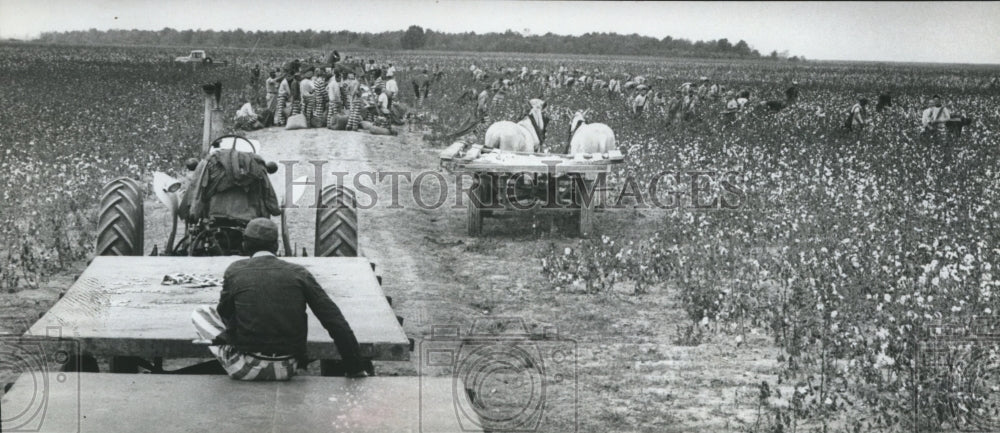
335, 102
743, 98
659, 101
296, 99
884, 100
421, 83
306, 88
370, 69
524, 72
349, 89
354, 114
284, 98
690, 104
383, 115
675, 106
379, 82
246, 119
320, 97
936, 116
391, 88
858, 115
792, 93
499, 95
332, 59
390, 71
614, 85
259, 327
703, 87
714, 90
639, 103
482, 101
271, 88
732, 107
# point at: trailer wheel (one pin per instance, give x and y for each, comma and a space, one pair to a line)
120, 226
208, 60
337, 223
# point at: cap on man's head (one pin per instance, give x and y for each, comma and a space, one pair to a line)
262, 229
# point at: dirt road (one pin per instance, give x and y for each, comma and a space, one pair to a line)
624, 371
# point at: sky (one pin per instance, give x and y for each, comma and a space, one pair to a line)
951, 32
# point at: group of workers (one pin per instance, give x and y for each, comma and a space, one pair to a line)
334, 94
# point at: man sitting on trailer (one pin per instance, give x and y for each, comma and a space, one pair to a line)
258, 330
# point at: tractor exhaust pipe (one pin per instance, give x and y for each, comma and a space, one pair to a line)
213, 126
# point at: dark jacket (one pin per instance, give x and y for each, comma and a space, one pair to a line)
230, 184
263, 304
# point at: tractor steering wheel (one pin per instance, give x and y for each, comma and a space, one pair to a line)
217, 143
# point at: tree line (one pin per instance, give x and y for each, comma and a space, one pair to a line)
414, 38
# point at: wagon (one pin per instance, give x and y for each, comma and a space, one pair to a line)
513, 181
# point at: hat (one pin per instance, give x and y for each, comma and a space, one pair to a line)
262, 229
936, 97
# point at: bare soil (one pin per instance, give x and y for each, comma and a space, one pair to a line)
629, 373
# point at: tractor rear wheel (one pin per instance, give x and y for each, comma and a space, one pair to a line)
120, 225
337, 223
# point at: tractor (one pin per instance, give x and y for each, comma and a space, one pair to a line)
214, 225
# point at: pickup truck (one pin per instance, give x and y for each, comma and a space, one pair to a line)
196, 56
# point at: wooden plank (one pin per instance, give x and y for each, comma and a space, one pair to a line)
118, 306
452, 151
90, 402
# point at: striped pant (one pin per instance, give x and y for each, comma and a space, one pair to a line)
308, 106
279, 112
320, 107
296, 106
354, 118
239, 365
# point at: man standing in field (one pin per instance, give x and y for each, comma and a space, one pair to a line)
792, 93
858, 115
306, 88
420, 84
639, 103
391, 87
284, 98
271, 89
936, 116
259, 327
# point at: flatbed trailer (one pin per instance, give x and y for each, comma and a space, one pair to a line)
120, 309
565, 183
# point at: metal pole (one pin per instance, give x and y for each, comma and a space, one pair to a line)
207, 130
